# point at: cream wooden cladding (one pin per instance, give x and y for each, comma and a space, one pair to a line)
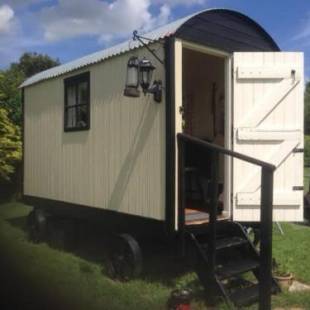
119, 164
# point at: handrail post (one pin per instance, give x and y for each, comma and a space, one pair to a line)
213, 210
265, 275
181, 196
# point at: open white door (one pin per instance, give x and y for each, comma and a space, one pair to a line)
268, 125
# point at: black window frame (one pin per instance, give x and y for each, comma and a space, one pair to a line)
75, 81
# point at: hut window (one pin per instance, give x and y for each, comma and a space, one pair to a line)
77, 102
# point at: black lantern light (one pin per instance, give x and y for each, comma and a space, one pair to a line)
146, 73
132, 78
140, 73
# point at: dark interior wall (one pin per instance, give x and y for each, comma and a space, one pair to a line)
204, 104
203, 87
226, 30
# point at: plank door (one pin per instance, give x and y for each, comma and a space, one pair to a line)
267, 124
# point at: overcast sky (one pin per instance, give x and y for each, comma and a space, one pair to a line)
68, 29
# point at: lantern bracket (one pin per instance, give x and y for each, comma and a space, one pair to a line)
140, 38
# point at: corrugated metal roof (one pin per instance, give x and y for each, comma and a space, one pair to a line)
159, 33
166, 31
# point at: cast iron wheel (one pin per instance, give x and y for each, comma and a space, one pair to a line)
37, 225
125, 261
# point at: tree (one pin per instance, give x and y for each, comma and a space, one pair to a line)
11, 79
10, 146
32, 63
10, 95
11, 117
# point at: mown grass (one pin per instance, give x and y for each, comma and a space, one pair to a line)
292, 251
36, 276
43, 277
306, 179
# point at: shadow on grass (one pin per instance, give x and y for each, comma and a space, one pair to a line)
18, 293
19, 222
160, 265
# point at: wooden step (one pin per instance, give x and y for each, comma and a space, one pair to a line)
249, 295
230, 242
226, 243
245, 296
196, 217
235, 268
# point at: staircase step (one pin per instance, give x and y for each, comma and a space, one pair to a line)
245, 296
237, 267
230, 242
249, 295
225, 243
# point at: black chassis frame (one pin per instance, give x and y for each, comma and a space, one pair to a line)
107, 220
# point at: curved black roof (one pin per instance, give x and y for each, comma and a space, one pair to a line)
226, 30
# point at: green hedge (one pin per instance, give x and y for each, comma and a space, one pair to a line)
307, 151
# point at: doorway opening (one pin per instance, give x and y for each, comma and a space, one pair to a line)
203, 108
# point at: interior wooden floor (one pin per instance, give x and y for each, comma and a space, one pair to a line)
197, 217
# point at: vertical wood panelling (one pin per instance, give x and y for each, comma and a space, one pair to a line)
119, 164
259, 105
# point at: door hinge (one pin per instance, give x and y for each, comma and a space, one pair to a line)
298, 150
298, 188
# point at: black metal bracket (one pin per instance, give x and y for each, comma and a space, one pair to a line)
136, 36
156, 90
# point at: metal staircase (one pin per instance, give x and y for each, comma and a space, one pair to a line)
235, 255
222, 250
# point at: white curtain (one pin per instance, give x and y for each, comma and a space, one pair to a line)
71, 112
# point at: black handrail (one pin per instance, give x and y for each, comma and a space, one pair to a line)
265, 275
220, 149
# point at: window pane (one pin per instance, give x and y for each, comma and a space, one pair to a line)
71, 117
81, 119
77, 102
71, 98
83, 93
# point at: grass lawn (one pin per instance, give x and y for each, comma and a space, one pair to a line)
40, 277
306, 178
